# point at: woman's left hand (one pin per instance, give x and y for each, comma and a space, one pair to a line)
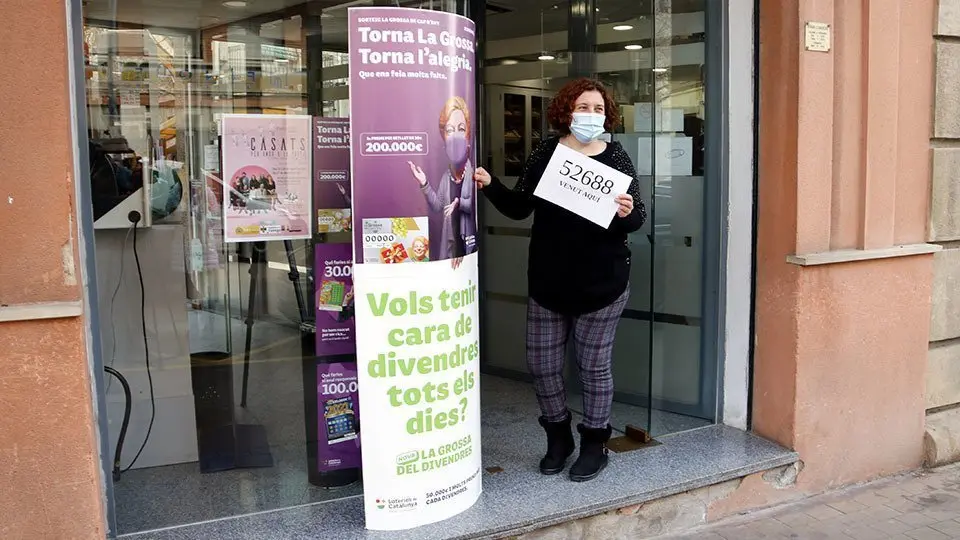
450, 208
624, 205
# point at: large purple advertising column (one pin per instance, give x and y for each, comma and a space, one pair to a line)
413, 126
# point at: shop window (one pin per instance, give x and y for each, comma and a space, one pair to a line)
214, 339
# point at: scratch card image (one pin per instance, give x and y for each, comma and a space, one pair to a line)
340, 420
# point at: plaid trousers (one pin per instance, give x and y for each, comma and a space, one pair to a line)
593, 334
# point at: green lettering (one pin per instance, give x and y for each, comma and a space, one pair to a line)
377, 368
426, 305
414, 337
399, 307
425, 365
443, 333
378, 307
444, 296
394, 394
407, 366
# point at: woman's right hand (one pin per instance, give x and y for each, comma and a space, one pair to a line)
418, 173
482, 178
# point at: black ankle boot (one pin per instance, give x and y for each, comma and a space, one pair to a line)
560, 445
593, 453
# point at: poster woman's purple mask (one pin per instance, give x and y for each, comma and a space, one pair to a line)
458, 150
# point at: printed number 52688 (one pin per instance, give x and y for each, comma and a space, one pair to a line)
586, 177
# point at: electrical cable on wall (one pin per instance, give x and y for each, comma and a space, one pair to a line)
124, 424
113, 301
135, 219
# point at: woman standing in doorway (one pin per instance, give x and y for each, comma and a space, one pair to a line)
578, 277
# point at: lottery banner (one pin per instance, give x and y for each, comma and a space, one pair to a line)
333, 274
338, 435
414, 210
331, 170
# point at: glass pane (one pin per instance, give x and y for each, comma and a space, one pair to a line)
521, 43
684, 378
623, 31
159, 78
515, 135
652, 54
671, 154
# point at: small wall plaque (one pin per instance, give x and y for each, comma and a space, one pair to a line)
817, 37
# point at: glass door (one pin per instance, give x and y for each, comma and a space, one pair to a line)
654, 56
516, 89
515, 132
214, 340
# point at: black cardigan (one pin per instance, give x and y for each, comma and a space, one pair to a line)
575, 266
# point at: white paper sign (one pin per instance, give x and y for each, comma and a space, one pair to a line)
418, 365
211, 157
582, 185
674, 155
196, 255
647, 119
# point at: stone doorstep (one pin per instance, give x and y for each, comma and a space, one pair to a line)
672, 514
941, 441
653, 491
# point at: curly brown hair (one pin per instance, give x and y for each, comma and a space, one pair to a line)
561, 108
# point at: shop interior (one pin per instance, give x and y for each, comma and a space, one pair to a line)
158, 77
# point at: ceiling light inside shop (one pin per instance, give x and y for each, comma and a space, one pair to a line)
509, 62
659, 70
633, 47
623, 27
235, 3
546, 57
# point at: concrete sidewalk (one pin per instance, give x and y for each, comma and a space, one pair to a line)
918, 506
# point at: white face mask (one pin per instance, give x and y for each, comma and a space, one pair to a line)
586, 127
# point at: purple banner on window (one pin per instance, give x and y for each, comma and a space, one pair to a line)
335, 313
338, 444
413, 119
331, 174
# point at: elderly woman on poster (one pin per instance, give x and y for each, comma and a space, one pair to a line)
455, 195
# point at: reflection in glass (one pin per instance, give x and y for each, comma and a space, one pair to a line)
155, 98
656, 63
